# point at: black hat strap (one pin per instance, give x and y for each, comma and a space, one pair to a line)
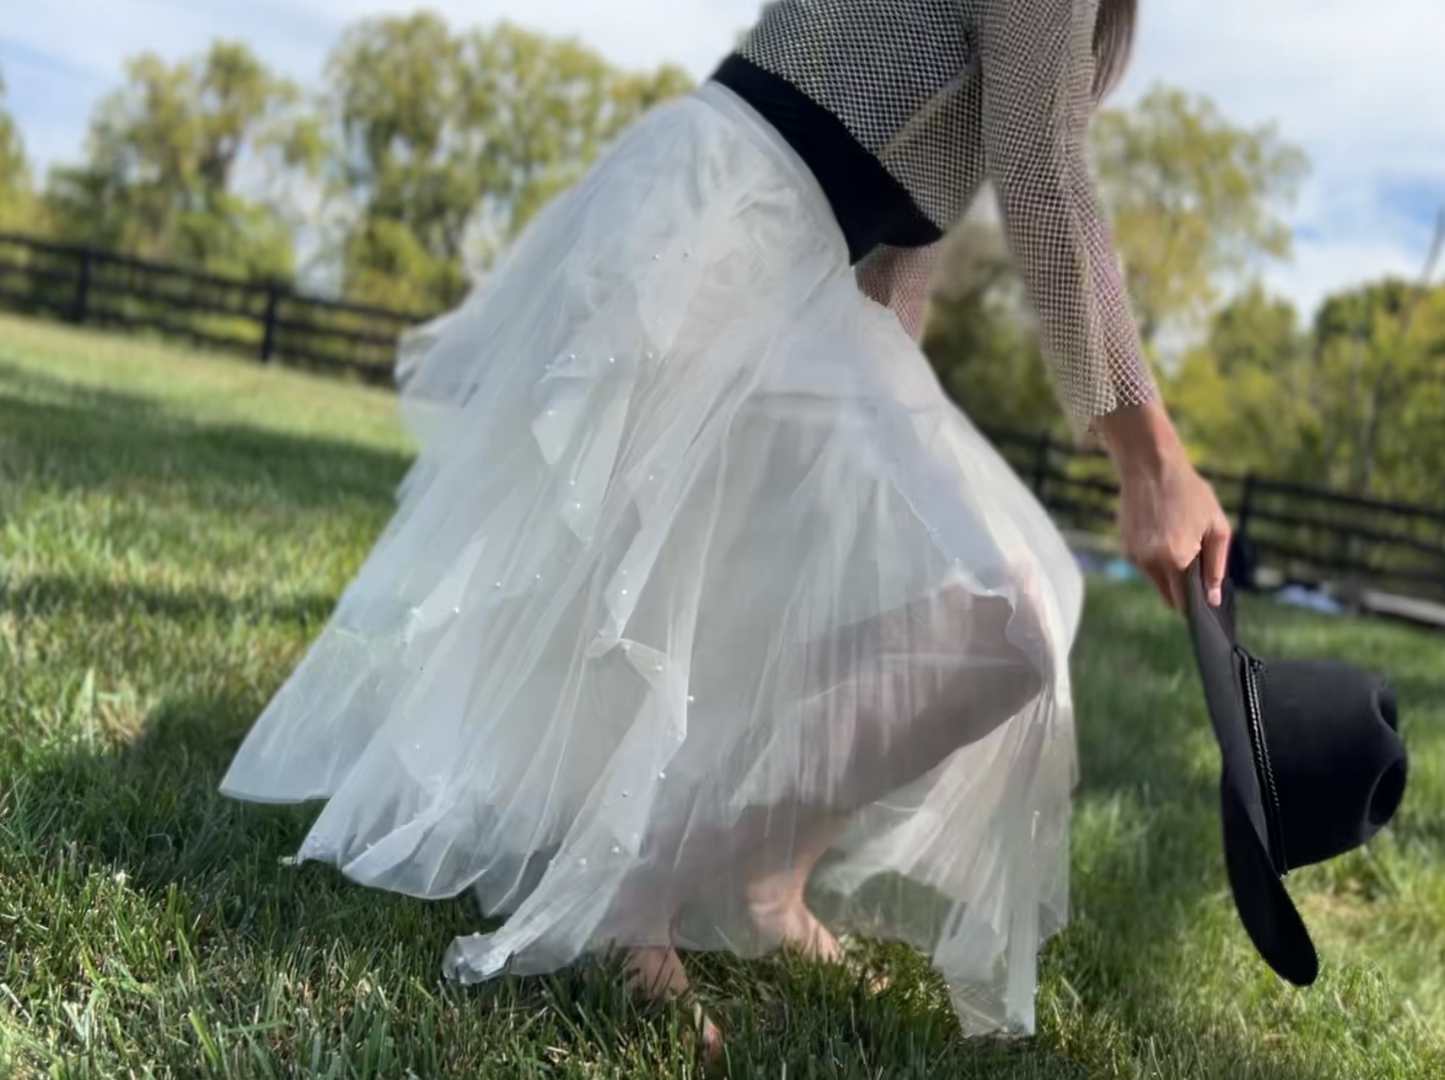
1254, 709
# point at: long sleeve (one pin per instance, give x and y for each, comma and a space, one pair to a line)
1036, 59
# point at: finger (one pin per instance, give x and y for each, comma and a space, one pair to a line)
1160, 581
1215, 559
1177, 589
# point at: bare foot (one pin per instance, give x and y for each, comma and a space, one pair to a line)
657, 973
789, 922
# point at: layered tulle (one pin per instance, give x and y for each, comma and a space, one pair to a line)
695, 559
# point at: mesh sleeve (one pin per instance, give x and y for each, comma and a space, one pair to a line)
901, 279
1037, 85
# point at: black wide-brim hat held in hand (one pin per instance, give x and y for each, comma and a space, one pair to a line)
1313, 767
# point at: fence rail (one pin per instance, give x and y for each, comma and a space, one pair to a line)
267, 320
1306, 533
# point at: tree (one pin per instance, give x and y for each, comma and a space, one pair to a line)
1357, 403
1242, 398
17, 208
446, 144
163, 162
1378, 364
1194, 201
981, 338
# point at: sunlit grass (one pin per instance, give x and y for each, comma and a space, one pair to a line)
173, 530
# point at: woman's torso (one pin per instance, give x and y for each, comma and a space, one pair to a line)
883, 102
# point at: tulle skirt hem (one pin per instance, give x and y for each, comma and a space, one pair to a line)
696, 560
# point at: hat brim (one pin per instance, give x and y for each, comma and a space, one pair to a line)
1265, 908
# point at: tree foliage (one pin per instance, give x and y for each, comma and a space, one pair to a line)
446, 143
981, 337
1356, 402
1241, 397
17, 206
1378, 361
1195, 201
164, 153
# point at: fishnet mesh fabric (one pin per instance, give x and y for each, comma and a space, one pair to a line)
902, 279
947, 94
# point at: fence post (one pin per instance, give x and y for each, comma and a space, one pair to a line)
82, 285
1041, 465
1242, 558
268, 330
1246, 506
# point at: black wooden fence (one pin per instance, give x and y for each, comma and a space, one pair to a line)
263, 319
1309, 534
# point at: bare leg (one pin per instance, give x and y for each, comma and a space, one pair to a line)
776, 900
903, 720
888, 701
657, 973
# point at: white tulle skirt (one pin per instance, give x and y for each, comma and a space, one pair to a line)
696, 559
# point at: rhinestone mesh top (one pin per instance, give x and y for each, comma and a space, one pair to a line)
948, 94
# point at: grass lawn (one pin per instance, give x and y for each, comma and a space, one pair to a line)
173, 530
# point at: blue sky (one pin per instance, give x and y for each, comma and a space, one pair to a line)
1357, 84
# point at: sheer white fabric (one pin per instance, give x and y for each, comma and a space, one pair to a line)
950, 93
695, 554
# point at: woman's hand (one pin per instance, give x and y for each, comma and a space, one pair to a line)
1168, 513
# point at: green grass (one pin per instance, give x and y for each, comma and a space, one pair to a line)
173, 530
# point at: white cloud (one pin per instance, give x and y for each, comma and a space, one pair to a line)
1356, 84
1352, 230
1324, 266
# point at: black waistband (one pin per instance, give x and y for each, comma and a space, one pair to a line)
872, 207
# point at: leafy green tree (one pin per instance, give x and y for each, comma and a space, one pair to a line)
447, 144
981, 338
17, 203
1357, 402
163, 159
1242, 398
1378, 363
1194, 201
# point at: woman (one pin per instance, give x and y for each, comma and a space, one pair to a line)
706, 620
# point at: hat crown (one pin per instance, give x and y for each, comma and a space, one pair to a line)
1337, 762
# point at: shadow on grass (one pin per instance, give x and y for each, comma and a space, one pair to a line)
1149, 787
216, 868
57, 435
150, 810
44, 596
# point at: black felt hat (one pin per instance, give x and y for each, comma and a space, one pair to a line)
1313, 767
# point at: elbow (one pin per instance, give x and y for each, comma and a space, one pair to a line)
1032, 166
1031, 183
